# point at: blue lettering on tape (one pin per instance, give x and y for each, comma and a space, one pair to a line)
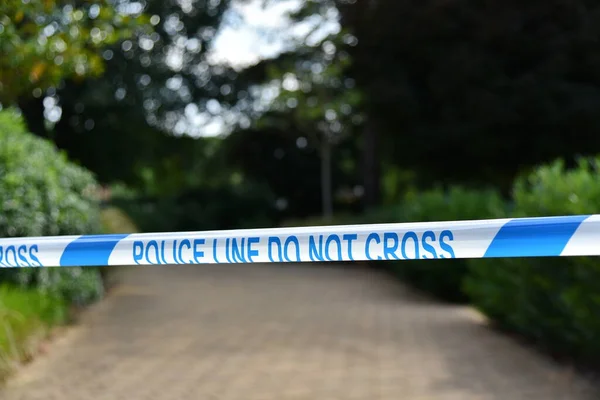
373, 237
389, 250
286, 248
198, 254
153, 244
428, 247
252, 252
408, 247
227, 251
349, 237
215, 248
15, 256
338, 245
237, 250
315, 253
164, 252
405, 246
274, 241
447, 235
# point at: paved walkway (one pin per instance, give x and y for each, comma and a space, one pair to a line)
281, 333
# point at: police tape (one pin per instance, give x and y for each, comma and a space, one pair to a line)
516, 237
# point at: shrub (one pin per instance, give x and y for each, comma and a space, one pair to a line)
444, 277
441, 277
552, 300
379, 215
42, 193
200, 209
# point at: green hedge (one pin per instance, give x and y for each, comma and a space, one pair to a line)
554, 301
200, 209
42, 193
444, 277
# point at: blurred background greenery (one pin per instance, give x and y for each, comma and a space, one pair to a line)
123, 116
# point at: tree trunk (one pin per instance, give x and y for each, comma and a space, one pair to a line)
372, 169
33, 114
326, 185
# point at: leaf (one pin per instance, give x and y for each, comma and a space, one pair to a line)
37, 71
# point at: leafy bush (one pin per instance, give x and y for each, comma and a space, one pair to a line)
552, 300
201, 209
441, 277
42, 193
444, 277
114, 220
379, 215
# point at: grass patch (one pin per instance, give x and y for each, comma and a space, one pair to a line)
26, 318
115, 220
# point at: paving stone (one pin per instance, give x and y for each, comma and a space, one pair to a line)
284, 332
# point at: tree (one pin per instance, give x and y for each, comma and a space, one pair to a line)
475, 92
43, 43
320, 103
156, 82
275, 152
316, 106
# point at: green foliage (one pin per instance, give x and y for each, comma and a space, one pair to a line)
552, 300
313, 92
114, 220
271, 158
43, 42
41, 194
453, 204
76, 285
444, 277
441, 277
456, 98
139, 112
201, 209
337, 219
24, 316
554, 189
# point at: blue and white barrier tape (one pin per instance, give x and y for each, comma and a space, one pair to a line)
518, 237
